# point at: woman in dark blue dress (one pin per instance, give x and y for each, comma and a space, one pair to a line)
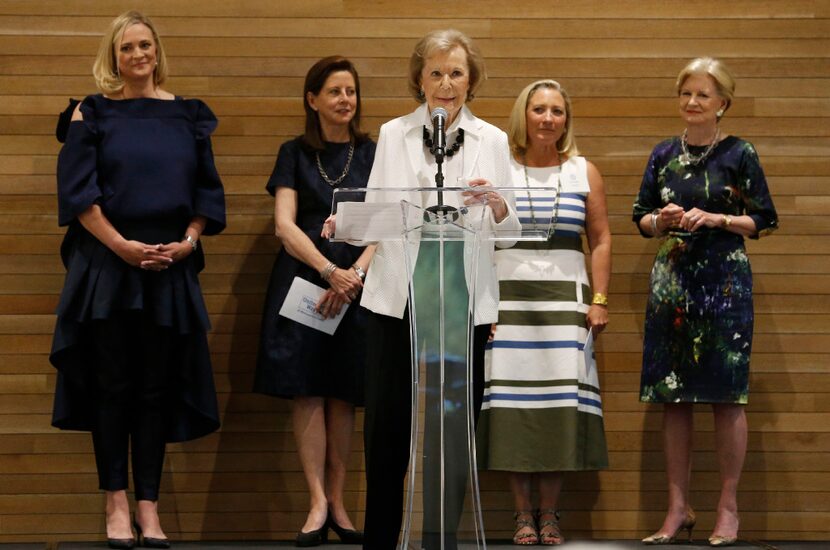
137, 187
322, 374
704, 192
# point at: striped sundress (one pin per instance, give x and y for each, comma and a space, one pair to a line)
542, 410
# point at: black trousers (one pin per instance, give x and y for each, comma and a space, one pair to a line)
387, 419
132, 358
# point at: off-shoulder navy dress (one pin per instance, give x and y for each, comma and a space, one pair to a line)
149, 164
295, 360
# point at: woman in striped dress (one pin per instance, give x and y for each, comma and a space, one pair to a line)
542, 413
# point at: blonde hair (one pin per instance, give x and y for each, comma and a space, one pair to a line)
105, 69
724, 81
517, 127
444, 41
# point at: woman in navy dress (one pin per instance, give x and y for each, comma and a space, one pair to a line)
137, 188
321, 374
704, 192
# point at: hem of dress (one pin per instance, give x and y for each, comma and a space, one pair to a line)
515, 470
697, 401
287, 395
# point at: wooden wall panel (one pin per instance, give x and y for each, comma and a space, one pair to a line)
247, 60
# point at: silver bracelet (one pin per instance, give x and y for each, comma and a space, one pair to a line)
654, 231
326, 272
359, 271
194, 243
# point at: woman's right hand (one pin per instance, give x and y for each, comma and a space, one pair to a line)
670, 216
145, 256
346, 283
329, 226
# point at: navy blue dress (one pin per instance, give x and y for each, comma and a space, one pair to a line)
149, 164
295, 360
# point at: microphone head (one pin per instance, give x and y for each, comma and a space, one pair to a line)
439, 112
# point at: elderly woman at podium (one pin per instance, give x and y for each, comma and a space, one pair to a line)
446, 69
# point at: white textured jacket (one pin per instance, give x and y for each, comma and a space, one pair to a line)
399, 160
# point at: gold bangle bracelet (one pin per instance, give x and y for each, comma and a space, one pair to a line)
599, 299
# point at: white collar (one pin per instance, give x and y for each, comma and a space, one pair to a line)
465, 120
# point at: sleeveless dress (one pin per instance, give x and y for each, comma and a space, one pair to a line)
293, 359
149, 164
699, 317
542, 409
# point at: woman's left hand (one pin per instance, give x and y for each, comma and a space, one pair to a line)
330, 304
597, 318
696, 218
486, 197
175, 251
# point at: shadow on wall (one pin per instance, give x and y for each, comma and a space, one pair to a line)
247, 455
769, 442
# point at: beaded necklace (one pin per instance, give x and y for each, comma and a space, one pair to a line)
459, 141
555, 216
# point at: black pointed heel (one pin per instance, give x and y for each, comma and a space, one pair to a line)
149, 542
313, 538
346, 536
121, 544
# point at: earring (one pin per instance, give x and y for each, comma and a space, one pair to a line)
720, 113
421, 94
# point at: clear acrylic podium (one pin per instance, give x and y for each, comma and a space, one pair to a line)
444, 253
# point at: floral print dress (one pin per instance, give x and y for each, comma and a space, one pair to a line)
699, 316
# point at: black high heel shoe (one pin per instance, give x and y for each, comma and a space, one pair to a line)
121, 544
347, 536
313, 538
149, 542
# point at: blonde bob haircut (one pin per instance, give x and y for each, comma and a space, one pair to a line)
517, 126
105, 69
444, 41
724, 81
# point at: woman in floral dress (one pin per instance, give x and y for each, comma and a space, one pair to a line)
703, 192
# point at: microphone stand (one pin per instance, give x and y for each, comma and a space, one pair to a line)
441, 208
439, 175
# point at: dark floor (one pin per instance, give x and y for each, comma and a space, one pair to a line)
495, 545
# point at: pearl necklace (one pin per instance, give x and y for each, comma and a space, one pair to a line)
686, 158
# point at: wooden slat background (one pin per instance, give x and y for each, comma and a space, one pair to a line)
247, 60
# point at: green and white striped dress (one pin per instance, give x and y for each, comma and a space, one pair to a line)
542, 410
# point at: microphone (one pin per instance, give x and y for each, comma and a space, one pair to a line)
439, 131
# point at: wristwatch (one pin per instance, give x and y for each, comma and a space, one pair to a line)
359, 271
